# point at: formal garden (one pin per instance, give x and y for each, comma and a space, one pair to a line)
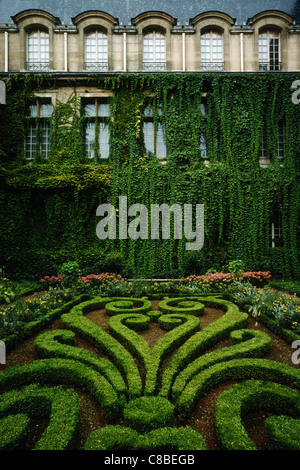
107, 363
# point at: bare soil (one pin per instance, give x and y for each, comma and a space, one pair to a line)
203, 417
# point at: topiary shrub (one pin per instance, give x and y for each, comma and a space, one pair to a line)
128, 306
182, 438
283, 432
112, 438
59, 404
13, 429
239, 399
146, 413
189, 305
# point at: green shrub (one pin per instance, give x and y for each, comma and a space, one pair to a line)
133, 305
290, 287
64, 371
182, 438
262, 369
125, 438
60, 343
283, 432
112, 438
245, 343
191, 305
70, 272
77, 322
239, 399
59, 403
146, 413
13, 429
154, 315
16, 330
203, 339
151, 358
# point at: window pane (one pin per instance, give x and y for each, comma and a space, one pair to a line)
104, 140
45, 139
148, 128
269, 50
90, 139
31, 110
103, 109
38, 46
203, 148
154, 50
211, 44
96, 50
90, 109
30, 144
160, 143
45, 109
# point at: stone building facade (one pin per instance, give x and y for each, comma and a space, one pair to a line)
95, 41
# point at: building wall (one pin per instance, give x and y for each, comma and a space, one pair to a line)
125, 43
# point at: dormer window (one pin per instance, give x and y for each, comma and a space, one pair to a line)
212, 51
96, 51
154, 50
269, 51
38, 51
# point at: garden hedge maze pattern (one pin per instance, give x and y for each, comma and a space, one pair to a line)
150, 405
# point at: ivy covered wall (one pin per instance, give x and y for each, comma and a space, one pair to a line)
48, 208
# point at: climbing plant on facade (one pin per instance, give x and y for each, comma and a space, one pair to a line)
231, 113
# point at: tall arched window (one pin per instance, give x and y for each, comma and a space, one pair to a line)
38, 50
269, 50
154, 50
96, 51
212, 51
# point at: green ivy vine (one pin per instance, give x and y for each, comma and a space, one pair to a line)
48, 209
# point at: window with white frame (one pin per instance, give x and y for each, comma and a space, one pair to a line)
97, 117
153, 133
38, 51
212, 51
269, 51
38, 129
96, 51
154, 50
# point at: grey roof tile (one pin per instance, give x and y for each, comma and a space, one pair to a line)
124, 10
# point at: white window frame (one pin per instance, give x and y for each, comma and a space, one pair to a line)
97, 127
154, 53
265, 50
153, 134
38, 116
39, 59
98, 59
211, 57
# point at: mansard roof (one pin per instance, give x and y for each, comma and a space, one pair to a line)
125, 10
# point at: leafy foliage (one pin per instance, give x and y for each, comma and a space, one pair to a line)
48, 209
